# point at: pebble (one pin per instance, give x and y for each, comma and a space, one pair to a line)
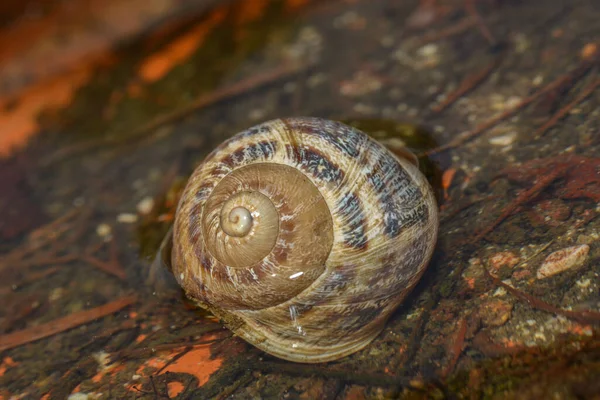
585, 239
145, 205
583, 283
562, 260
429, 56
56, 294
589, 51
81, 396
103, 359
103, 230
428, 50
362, 83
521, 274
503, 140
127, 218
495, 312
502, 259
257, 114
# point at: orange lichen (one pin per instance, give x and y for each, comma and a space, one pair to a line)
470, 282
175, 389
198, 363
502, 259
447, 178
111, 370
19, 122
6, 364
71, 34
159, 64
582, 330
140, 338
44, 69
589, 51
510, 343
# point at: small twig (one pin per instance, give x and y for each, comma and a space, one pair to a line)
487, 346
182, 353
47, 260
153, 386
567, 78
59, 325
523, 198
446, 216
413, 343
112, 266
566, 109
29, 278
39, 239
585, 317
358, 378
219, 95
456, 347
485, 32
468, 84
588, 216
458, 28
242, 381
535, 254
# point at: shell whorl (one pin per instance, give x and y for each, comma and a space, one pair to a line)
304, 235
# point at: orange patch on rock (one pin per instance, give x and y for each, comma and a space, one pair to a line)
447, 178
159, 64
6, 364
470, 282
18, 122
70, 34
583, 330
293, 5
198, 363
140, 338
174, 389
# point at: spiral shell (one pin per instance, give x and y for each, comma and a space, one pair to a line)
303, 235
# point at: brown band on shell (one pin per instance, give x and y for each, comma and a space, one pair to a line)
354, 221
402, 201
316, 164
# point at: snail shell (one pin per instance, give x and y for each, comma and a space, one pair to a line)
303, 235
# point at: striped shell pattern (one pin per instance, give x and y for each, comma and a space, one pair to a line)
303, 235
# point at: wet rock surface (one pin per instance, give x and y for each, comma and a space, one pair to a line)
505, 88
